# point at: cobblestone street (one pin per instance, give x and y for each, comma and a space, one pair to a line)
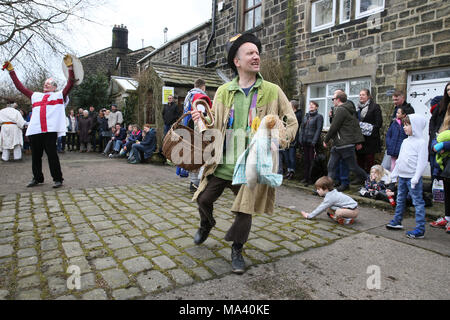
135, 240
130, 242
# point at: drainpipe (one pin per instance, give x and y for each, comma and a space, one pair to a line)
213, 32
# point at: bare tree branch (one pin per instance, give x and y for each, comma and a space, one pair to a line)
46, 19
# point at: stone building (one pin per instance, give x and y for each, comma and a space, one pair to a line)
117, 60
176, 64
350, 44
323, 45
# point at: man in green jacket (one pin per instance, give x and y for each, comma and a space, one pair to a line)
346, 134
236, 106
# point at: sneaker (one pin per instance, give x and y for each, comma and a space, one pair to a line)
394, 225
345, 221
332, 216
439, 223
110, 155
415, 234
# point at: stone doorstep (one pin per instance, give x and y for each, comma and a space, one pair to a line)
429, 212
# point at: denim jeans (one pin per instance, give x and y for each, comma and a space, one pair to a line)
118, 145
291, 159
282, 159
404, 186
167, 128
341, 174
348, 155
136, 150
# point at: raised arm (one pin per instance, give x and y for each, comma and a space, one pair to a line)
69, 84
69, 63
27, 92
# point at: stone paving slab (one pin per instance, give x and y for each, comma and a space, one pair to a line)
131, 241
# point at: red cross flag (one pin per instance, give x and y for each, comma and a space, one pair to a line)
48, 113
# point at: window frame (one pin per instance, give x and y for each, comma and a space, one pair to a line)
244, 14
327, 97
313, 17
341, 12
367, 13
189, 54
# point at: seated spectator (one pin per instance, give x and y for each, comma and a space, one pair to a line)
110, 143
135, 135
143, 150
375, 185
119, 139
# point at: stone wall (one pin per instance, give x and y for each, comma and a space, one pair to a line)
171, 52
406, 36
104, 61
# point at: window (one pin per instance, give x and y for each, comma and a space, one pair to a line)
322, 93
193, 53
189, 53
345, 11
252, 14
323, 14
184, 54
366, 8
422, 76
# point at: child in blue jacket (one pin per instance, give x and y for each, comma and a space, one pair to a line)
395, 136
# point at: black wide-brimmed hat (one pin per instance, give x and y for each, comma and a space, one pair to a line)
235, 42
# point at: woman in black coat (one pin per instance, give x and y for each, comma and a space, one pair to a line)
309, 137
84, 131
369, 112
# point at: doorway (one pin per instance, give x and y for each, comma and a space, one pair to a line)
423, 86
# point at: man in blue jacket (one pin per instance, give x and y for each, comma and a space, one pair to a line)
147, 146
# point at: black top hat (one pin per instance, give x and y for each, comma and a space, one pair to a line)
235, 42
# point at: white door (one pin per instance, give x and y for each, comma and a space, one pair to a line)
423, 86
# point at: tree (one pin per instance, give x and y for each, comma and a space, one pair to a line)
19, 19
34, 81
131, 102
93, 91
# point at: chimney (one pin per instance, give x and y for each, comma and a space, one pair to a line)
165, 34
120, 37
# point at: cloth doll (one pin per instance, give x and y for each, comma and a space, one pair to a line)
259, 162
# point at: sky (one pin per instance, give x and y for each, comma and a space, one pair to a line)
144, 19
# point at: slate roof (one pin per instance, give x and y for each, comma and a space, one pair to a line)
185, 76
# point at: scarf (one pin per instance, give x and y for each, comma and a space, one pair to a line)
362, 109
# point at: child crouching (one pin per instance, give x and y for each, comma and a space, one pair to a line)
340, 207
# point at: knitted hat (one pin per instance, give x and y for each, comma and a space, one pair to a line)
435, 103
202, 97
235, 42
